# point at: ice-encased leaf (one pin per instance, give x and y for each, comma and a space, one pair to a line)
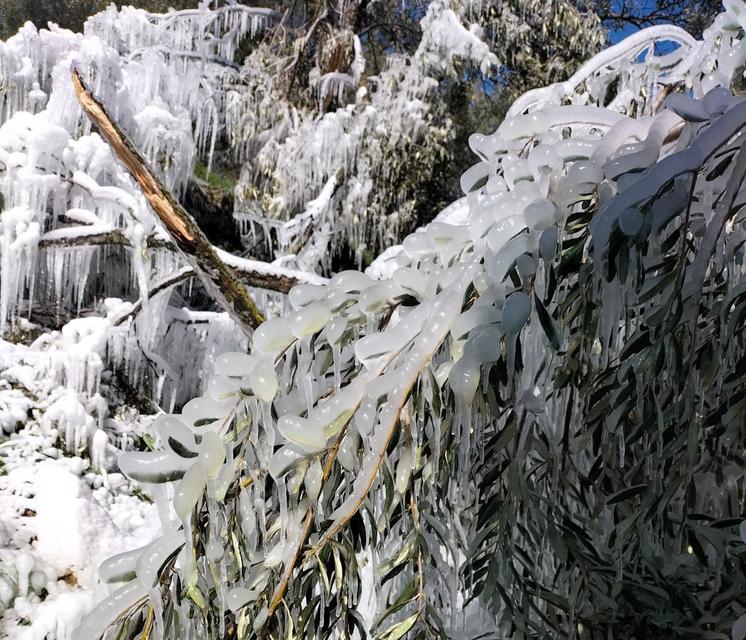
155, 555
630, 222
212, 453
176, 436
312, 480
93, 625
516, 312
153, 466
302, 295
335, 329
540, 214
203, 413
310, 319
121, 567
189, 490
688, 108
548, 243
239, 597
263, 381
235, 365
307, 434
272, 335
464, 379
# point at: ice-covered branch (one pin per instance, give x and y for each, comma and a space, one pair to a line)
624, 51
252, 273
180, 276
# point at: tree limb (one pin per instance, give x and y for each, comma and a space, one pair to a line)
252, 273
219, 280
171, 281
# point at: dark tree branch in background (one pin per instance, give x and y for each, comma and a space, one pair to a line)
169, 282
219, 279
692, 15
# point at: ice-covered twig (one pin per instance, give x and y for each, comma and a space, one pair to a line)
218, 60
167, 283
172, 16
631, 45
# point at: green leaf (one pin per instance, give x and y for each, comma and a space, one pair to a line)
407, 594
624, 494
149, 441
406, 552
548, 324
400, 628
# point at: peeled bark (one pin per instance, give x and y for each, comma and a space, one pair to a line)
217, 277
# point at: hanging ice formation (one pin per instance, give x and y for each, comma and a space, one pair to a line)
73, 222
324, 389
305, 216
291, 154
169, 80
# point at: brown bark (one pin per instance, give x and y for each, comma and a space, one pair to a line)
219, 280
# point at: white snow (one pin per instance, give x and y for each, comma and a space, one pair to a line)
60, 517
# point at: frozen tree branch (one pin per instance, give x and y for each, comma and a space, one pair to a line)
171, 281
217, 277
252, 273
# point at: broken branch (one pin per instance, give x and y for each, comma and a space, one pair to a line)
252, 273
219, 279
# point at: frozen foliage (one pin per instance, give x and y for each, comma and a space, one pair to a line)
419, 418
440, 445
74, 224
293, 155
64, 193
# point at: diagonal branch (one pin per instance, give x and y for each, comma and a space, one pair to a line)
219, 279
170, 281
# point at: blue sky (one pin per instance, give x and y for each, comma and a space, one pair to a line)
615, 35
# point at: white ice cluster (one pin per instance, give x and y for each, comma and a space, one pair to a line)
73, 221
359, 355
393, 114
62, 512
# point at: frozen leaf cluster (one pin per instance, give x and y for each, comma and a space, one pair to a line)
541, 382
